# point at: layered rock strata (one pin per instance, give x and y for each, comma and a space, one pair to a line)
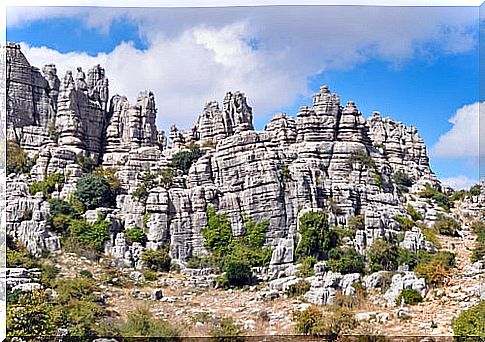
328, 158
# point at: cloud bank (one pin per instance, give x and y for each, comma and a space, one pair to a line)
195, 55
462, 140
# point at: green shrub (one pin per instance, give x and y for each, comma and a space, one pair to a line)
447, 226
438, 197
235, 255
148, 182
141, 323
238, 271
298, 289
357, 222
227, 330
316, 237
383, 256
378, 180
285, 174
158, 260
361, 157
217, 234
183, 160
345, 260
94, 191
110, 175
135, 235
475, 190
150, 275
306, 266
415, 215
407, 257
86, 273
86, 163
404, 222
410, 296
166, 177
51, 183
54, 134
402, 181
31, 315
17, 160
478, 252
313, 321
88, 235
471, 322
18, 255
431, 235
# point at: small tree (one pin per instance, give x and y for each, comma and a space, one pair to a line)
183, 160
345, 260
471, 322
316, 237
402, 181
410, 296
383, 256
17, 160
158, 260
94, 191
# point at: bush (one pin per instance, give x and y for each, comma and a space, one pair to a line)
135, 235
361, 157
407, 257
285, 174
51, 183
447, 226
158, 260
86, 273
183, 160
478, 253
404, 222
60, 215
431, 235
110, 175
298, 289
148, 182
19, 256
475, 190
434, 272
316, 237
17, 160
415, 215
166, 177
438, 197
94, 192
306, 266
313, 321
345, 260
27, 215
235, 255
88, 235
86, 163
402, 181
217, 234
227, 330
410, 296
141, 323
357, 222
238, 271
383, 256
471, 322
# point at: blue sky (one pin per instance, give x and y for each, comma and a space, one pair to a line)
417, 65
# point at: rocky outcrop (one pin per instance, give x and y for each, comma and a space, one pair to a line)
328, 158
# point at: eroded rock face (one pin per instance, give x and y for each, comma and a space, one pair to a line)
328, 158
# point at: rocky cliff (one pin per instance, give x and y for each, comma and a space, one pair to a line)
327, 158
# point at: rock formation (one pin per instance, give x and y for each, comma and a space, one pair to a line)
328, 158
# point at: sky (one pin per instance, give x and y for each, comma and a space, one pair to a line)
418, 65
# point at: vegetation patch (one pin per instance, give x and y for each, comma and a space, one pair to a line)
183, 160
410, 296
17, 160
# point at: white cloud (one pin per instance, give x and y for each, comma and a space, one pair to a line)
462, 138
459, 182
195, 55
